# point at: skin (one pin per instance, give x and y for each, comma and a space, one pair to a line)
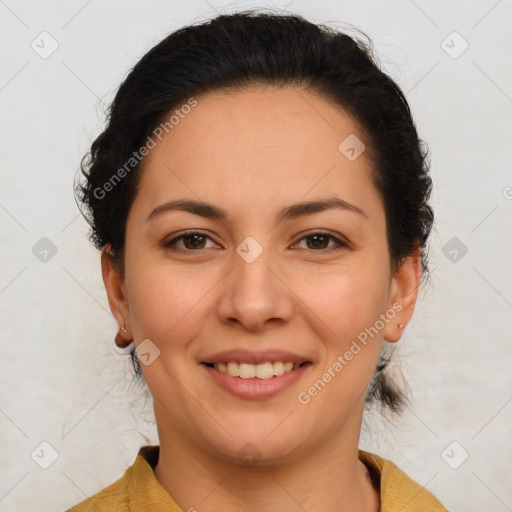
253, 152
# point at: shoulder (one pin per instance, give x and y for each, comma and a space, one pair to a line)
397, 490
126, 492
113, 497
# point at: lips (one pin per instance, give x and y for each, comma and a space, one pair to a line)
256, 375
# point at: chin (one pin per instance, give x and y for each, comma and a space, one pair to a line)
258, 441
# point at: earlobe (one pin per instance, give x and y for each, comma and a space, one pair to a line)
115, 289
403, 295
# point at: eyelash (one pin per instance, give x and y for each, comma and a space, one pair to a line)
340, 244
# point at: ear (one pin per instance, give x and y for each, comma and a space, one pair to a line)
114, 286
403, 294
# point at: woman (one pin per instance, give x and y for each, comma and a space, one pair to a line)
260, 199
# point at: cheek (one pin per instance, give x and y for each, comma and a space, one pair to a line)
349, 305
347, 301
165, 303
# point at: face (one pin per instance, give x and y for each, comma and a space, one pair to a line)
251, 272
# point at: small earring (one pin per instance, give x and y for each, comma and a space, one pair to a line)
401, 326
123, 329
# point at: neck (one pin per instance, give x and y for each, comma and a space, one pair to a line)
327, 478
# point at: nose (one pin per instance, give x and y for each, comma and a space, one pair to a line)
255, 295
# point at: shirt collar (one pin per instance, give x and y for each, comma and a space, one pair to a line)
397, 490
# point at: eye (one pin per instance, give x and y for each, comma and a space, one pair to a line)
194, 241
319, 242
190, 241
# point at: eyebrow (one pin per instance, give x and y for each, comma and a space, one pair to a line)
291, 212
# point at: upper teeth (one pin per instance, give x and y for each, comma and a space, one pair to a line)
261, 371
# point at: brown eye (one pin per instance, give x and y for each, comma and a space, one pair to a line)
196, 241
193, 241
320, 241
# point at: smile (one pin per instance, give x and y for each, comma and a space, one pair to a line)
259, 381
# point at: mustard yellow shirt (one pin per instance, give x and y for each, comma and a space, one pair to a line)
138, 490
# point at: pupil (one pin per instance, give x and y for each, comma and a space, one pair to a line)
195, 238
317, 238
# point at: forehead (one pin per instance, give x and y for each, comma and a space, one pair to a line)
258, 146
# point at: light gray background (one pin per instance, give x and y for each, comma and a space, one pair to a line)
62, 380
